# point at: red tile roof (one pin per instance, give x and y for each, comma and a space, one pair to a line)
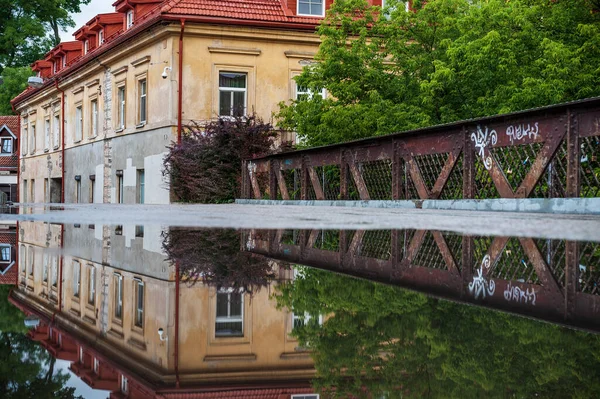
12, 122
10, 277
250, 10
9, 162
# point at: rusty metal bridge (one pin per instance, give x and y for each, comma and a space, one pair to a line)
551, 152
551, 280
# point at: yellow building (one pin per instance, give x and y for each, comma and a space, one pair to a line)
110, 102
111, 306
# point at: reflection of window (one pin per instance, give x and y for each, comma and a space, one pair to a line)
118, 279
96, 365
5, 253
310, 396
124, 384
141, 186
232, 94
54, 271
92, 285
139, 303
7, 145
311, 7
120, 187
45, 268
230, 314
76, 279
30, 259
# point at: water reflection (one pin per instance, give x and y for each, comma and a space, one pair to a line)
143, 312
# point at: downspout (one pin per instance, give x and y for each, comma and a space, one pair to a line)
62, 143
180, 93
176, 324
18, 159
61, 265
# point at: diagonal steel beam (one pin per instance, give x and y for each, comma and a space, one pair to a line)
314, 179
359, 181
445, 251
442, 179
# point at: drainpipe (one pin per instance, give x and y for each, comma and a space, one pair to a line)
62, 143
180, 93
61, 265
18, 144
176, 324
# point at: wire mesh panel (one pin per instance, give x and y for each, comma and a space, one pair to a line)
589, 268
484, 186
554, 254
329, 177
262, 179
553, 182
454, 185
328, 240
454, 243
378, 178
293, 181
589, 167
513, 264
290, 237
376, 244
515, 161
429, 254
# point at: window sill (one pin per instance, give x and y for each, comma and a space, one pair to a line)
46, 149
77, 141
92, 137
119, 130
140, 125
118, 322
90, 306
56, 147
310, 15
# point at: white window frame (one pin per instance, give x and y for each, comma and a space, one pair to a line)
54, 271
64, 61
78, 122
141, 175
12, 149
300, 90
233, 90
76, 279
121, 104
124, 384
93, 117
32, 138
92, 286
24, 140
228, 318
3, 249
142, 86
96, 365
47, 133
101, 37
129, 19
56, 130
306, 396
322, 14
139, 311
86, 45
45, 266
119, 291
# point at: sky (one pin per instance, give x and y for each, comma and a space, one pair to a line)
87, 12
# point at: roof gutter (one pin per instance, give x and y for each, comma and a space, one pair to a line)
62, 142
228, 21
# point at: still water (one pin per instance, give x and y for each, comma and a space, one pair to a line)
151, 310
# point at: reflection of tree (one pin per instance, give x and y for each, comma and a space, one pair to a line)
214, 258
404, 344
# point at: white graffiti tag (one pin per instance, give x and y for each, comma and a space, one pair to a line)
251, 168
482, 140
519, 132
514, 293
480, 286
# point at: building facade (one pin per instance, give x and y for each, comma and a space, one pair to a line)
114, 99
9, 156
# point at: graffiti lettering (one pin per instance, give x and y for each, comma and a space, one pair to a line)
482, 139
516, 294
480, 286
519, 132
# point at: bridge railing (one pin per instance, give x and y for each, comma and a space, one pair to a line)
551, 152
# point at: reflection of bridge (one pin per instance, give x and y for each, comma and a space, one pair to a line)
550, 280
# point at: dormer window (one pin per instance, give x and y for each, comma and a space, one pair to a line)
129, 19
7, 146
315, 8
54, 67
85, 47
101, 37
64, 61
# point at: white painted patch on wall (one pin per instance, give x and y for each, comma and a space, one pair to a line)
129, 233
156, 186
99, 185
98, 231
129, 174
153, 238
113, 195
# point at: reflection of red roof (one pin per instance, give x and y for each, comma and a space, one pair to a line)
276, 393
11, 122
9, 162
10, 277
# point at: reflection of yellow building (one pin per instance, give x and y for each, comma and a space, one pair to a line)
106, 319
114, 98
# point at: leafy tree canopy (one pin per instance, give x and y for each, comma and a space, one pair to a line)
381, 341
14, 82
449, 60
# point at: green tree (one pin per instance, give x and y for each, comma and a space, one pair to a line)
381, 340
448, 60
14, 82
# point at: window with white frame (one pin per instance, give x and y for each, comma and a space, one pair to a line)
46, 133
129, 19
142, 101
45, 266
30, 263
315, 8
121, 107
24, 140
101, 37
5, 253
141, 186
93, 118
118, 304
32, 139
81, 354
7, 145
233, 92
64, 61
304, 93
230, 314
306, 396
96, 366
56, 130
54, 270
139, 303
78, 123
76, 278
91, 285
85, 47
54, 67
300, 320
124, 384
